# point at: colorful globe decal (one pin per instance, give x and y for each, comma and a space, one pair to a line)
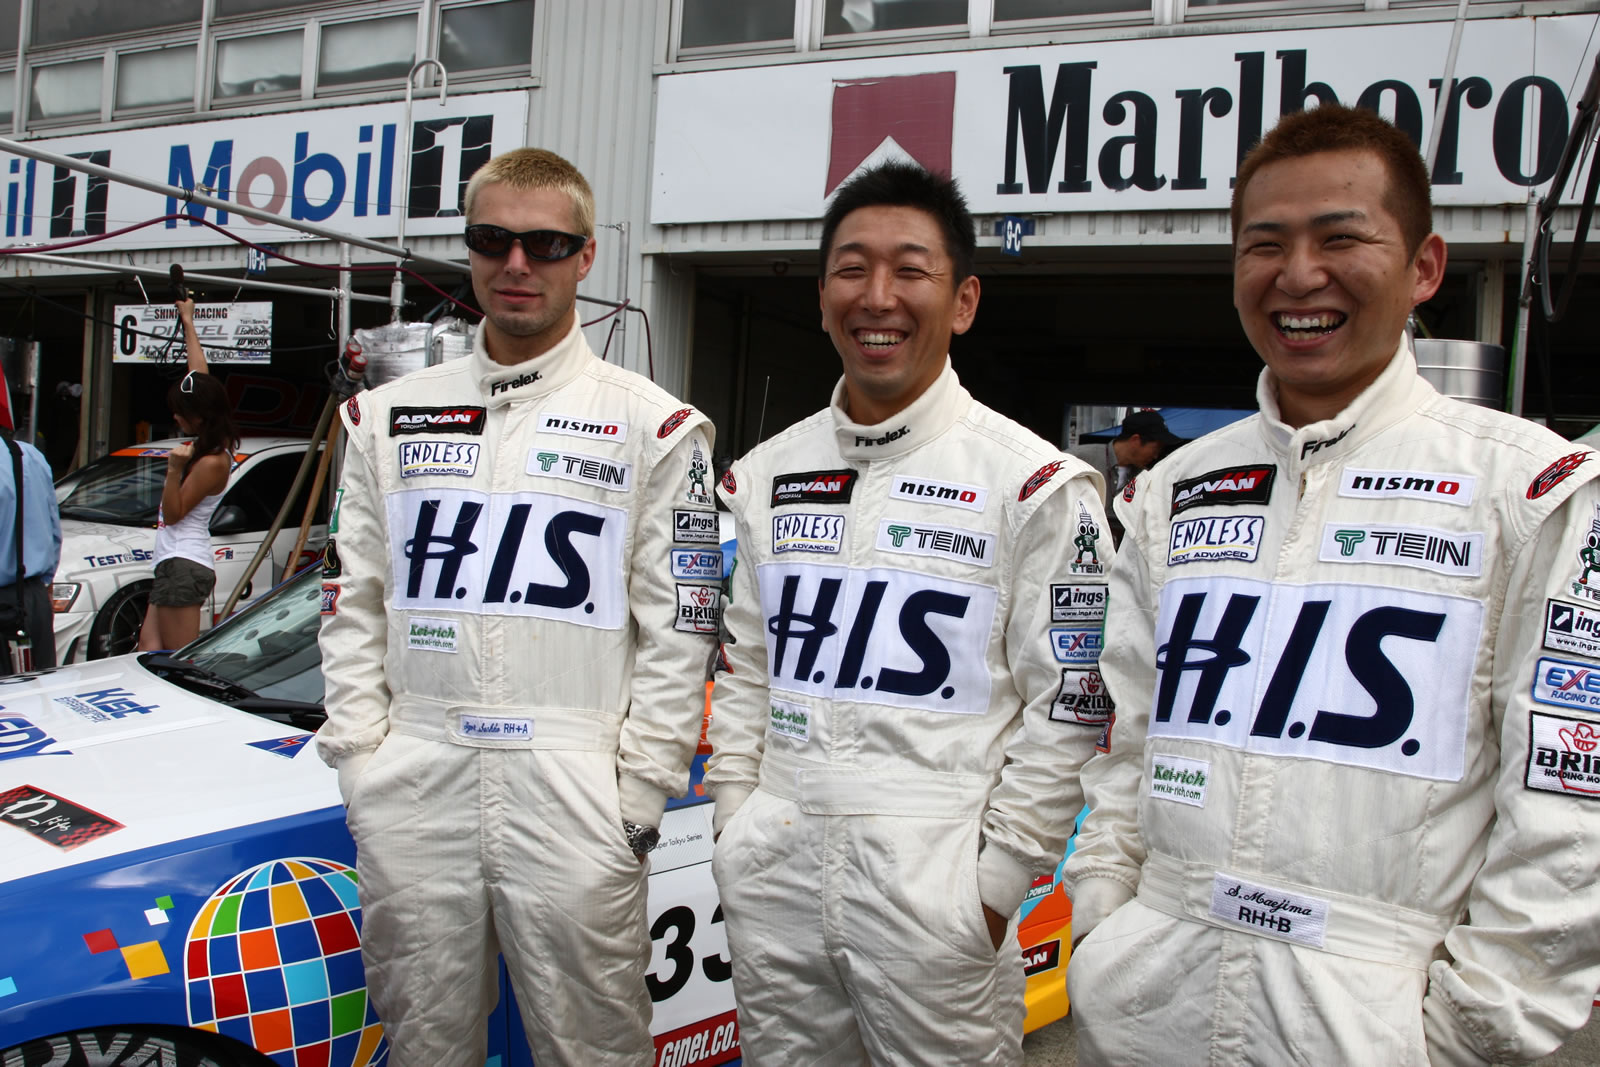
274, 960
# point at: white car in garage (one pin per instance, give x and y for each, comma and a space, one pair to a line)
108, 536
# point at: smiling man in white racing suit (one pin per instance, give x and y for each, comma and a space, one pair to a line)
1351, 807
514, 652
914, 684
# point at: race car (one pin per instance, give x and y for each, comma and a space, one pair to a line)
108, 536
177, 886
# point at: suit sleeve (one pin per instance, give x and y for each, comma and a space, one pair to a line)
1032, 808
1523, 966
668, 685
355, 629
739, 701
1103, 871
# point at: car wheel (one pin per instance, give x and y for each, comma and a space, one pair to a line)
116, 628
128, 1046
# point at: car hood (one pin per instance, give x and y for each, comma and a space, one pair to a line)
84, 545
104, 758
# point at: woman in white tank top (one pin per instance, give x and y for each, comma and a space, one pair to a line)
197, 473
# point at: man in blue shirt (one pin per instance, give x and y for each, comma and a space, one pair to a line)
41, 549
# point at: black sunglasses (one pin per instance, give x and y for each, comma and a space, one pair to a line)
545, 245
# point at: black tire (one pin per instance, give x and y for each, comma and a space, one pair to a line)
116, 628
127, 1046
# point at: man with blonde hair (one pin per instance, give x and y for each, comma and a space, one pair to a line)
513, 652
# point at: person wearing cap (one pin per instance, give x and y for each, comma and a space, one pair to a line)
1143, 441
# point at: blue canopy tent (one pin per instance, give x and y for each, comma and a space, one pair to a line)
1187, 423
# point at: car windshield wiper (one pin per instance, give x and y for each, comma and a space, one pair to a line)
195, 678
301, 714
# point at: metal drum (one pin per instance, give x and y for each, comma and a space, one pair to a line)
1470, 371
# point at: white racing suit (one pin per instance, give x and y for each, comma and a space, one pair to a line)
509, 676
1351, 808
930, 631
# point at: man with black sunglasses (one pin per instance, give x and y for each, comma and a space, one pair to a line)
514, 651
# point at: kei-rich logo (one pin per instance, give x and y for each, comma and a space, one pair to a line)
800, 531
789, 719
1421, 547
432, 635
527, 554
814, 487
462, 420
1556, 473
596, 430
950, 494
586, 470
457, 458
1179, 779
945, 542
878, 636
1228, 485
1417, 485
1363, 675
1087, 541
1563, 756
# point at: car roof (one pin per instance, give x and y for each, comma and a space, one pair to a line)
248, 444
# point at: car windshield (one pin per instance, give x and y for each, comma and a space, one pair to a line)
271, 647
124, 489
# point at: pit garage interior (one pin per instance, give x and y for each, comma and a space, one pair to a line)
1053, 335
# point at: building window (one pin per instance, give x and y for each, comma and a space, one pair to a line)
65, 90
1225, 8
159, 77
721, 23
62, 21
229, 8
1015, 10
868, 16
354, 53
486, 37
10, 20
250, 66
8, 92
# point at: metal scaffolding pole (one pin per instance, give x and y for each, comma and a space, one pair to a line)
209, 279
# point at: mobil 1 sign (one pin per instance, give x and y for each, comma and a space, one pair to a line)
229, 333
